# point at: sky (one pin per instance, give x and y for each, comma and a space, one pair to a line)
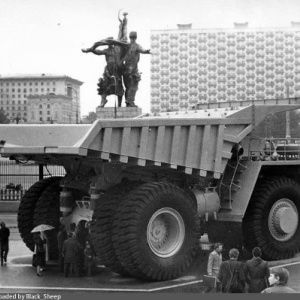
46, 36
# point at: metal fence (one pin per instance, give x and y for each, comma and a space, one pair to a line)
17, 178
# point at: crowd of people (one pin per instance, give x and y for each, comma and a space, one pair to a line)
76, 255
252, 276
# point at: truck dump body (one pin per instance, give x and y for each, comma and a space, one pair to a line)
197, 141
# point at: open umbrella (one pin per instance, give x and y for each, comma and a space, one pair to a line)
42, 227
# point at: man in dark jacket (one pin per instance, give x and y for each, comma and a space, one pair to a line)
257, 272
227, 270
61, 237
70, 254
4, 235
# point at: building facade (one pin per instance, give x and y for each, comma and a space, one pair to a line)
40, 98
190, 66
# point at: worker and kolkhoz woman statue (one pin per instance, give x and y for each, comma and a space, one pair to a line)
122, 65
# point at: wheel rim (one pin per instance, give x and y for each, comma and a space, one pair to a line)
165, 232
283, 219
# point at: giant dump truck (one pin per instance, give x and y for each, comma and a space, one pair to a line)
152, 185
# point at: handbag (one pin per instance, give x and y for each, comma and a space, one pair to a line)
209, 281
34, 262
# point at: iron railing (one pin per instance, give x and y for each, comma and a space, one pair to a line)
17, 178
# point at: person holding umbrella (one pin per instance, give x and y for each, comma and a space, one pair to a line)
40, 252
39, 239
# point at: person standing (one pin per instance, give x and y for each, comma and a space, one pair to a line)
88, 258
39, 241
227, 273
61, 237
213, 265
257, 272
4, 237
70, 253
278, 280
81, 237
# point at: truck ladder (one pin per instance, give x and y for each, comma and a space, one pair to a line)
230, 182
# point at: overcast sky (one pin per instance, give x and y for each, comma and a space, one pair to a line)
46, 36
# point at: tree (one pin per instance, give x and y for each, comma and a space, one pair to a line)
275, 125
3, 117
91, 118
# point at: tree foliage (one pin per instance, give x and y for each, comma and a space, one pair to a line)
275, 126
91, 118
3, 117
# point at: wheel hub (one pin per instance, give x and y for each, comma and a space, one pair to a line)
165, 232
283, 219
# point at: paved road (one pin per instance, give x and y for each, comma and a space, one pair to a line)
20, 277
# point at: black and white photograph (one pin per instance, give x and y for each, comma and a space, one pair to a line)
149, 148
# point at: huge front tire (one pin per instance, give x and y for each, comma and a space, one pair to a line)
47, 212
272, 219
101, 226
27, 207
156, 232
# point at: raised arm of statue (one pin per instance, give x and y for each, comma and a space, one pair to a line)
122, 36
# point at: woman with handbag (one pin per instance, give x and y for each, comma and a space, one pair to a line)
40, 252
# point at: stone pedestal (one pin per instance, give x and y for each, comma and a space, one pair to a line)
117, 112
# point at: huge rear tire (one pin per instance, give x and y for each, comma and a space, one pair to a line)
27, 207
47, 212
156, 232
272, 219
101, 227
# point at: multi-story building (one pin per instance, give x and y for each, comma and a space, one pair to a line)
40, 98
190, 66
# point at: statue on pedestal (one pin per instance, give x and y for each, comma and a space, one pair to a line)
122, 62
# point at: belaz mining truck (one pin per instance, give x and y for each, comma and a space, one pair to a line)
152, 185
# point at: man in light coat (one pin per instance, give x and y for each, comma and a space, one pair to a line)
213, 265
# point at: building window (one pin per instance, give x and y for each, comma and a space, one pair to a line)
13, 102
53, 89
30, 83
41, 119
13, 108
24, 91
48, 112
36, 89
41, 112
13, 90
19, 102
48, 105
41, 106
69, 91
19, 90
